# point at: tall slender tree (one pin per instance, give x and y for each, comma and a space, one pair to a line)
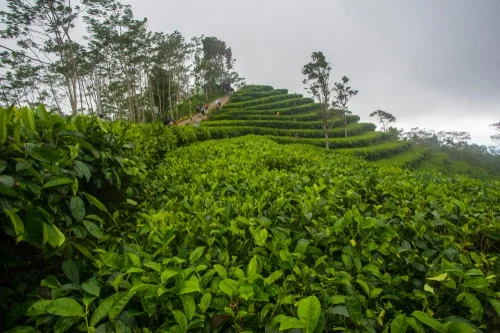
343, 94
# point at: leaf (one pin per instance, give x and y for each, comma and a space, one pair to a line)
3, 125
71, 271
260, 236
246, 291
477, 282
495, 304
415, 325
253, 266
54, 236
475, 305
196, 254
83, 250
64, 323
28, 118
77, 208
38, 308
8, 181
276, 275
92, 287
428, 288
50, 282
93, 200
205, 302
190, 286
457, 327
93, 229
399, 324
65, 307
103, 308
290, 322
375, 292
354, 308
301, 246
84, 169
189, 307
181, 319
58, 182
119, 305
309, 310
16, 221
167, 274
229, 287
425, 319
441, 277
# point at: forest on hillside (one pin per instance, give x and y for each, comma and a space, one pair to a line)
119, 68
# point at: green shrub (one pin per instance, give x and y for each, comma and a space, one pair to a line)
254, 87
384, 150
410, 158
286, 111
273, 123
259, 101
294, 101
245, 96
352, 130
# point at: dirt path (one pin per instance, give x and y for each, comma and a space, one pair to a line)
198, 117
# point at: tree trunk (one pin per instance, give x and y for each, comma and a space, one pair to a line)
327, 144
170, 99
98, 92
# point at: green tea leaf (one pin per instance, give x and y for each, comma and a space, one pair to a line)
93, 229
253, 266
93, 200
205, 302
440, 277
54, 236
65, 307
8, 181
16, 221
475, 305
495, 304
103, 308
181, 319
119, 305
457, 327
57, 182
64, 323
92, 287
3, 125
190, 286
399, 324
290, 323
309, 310
425, 319
167, 274
77, 208
70, 269
38, 308
260, 236
84, 169
196, 254
27, 118
354, 308
189, 307
229, 287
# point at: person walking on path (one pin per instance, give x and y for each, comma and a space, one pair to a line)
198, 117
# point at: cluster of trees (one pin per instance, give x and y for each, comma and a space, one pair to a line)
119, 69
317, 82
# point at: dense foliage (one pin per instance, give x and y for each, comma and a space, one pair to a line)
109, 228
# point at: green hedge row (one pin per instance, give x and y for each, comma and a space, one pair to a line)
367, 139
218, 132
249, 95
282, 104
285, 111
380, 151
410, 158
255, 87
309, 116
263, 100
274, 123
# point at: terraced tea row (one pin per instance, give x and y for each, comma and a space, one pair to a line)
293, 119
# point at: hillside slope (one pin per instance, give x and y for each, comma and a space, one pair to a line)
291, 118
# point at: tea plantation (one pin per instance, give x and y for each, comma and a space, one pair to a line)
119, 227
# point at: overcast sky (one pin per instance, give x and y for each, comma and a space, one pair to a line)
431, 63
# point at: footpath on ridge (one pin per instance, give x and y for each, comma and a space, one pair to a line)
198, 117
